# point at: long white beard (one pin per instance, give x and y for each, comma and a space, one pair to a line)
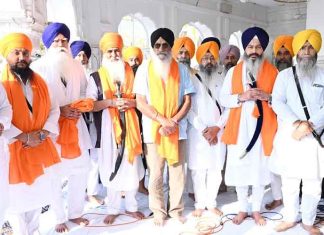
209, 81
306, 67
62, 60
162, 67
116, 69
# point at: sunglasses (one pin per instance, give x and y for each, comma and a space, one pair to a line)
163, 45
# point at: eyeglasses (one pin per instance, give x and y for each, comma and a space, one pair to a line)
163, 45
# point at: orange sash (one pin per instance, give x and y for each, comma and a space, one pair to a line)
26, 164
68, 138
265, 82
133, 141
165, 99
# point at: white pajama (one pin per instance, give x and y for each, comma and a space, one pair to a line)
93, 186
276, 186
115, 201
256, 197
25, 223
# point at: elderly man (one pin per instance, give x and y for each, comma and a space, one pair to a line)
66, 77
119, 141
32, 151
134, 57
206, 154
229, 56
251, 124
298, 99
283, 51
81, 51
163, 89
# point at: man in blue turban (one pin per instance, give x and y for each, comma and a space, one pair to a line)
52, 31
81, 51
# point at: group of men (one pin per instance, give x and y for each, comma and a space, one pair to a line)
59, 121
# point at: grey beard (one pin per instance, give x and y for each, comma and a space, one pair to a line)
253, 65
208, 71
306, 67
186, 62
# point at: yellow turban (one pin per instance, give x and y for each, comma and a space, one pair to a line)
183, 42
130, 52
14, 40
210, 46
110, 40
310, 35
283, 41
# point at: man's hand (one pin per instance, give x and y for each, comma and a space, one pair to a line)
32, 139
1, 128
168, 126
68, 112
210, 134
254, 94
302, 129
123, 104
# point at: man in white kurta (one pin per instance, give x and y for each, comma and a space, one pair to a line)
67, 81
298, 154
240, 98
5, 122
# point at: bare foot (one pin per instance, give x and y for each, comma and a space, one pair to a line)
159, 221
137, 214
61, 228
80, 221
259, 220
95, 200
110, 219
273, 205
192, 196
197, 212
240, 217
216, 211
312, 229
283, 226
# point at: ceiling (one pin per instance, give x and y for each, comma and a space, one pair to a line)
267, 3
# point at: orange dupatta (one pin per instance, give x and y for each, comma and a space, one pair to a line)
165, 99
26, 164
265, 82
133, 141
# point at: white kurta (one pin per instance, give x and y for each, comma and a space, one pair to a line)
253, 169
292, 158
128, 174
204, 113
5, 120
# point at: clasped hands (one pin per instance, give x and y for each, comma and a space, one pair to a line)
68, 112
32, 139
168, 125
254, 94
123, 104
210, 134
302, 129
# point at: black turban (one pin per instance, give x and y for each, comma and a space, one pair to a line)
52, 30
164, 33
212, 39
250, 33
78, 46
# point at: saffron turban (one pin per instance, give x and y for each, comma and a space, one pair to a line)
185, 42
283, 41
164, 33
225, 50
14, 40
207, 46
250, 33
111, 40
52, 30
310, 35
130, 52
212, 39
78, 46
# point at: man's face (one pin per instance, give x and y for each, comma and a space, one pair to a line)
19, 59
283, 59
230, 60
162, 49
112, 54
60, 41
82, 57
134, 61
307, 52
183, 56
254, 49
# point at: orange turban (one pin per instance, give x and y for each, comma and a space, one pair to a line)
130, 52
183, 42
210, 46
310, 35
110, 40
14, 40
283, 41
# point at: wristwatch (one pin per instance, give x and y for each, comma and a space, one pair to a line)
42, 135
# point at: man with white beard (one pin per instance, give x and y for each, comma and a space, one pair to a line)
299, 155
251, 124
206, 153
66, 78
163, 88
118, 143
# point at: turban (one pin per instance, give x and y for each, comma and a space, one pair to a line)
225, 50
310, 35
78, 46
283, 41
13, 41
51, 32
211, 39
130, 52
164, 33
183, 42
110, 40
210, 46
250, 33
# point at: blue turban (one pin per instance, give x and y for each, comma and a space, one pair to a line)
78, 46
250, 33
52, 30
211, 39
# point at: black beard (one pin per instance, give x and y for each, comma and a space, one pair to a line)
134, 68
229, 65
23, 73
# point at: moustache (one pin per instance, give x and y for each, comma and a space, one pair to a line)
254, 54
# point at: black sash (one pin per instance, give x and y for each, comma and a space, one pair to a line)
29, 106
302, 100
258, 127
